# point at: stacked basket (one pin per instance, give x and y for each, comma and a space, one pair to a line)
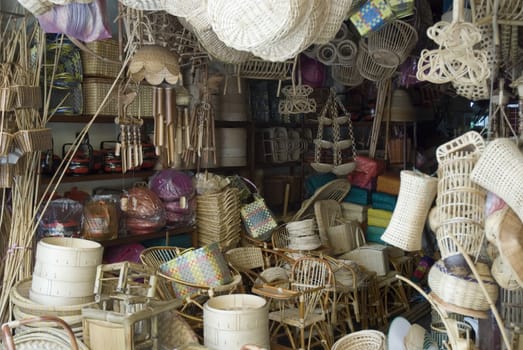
219, 218
303, 235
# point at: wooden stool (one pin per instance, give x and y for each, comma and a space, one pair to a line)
392, 294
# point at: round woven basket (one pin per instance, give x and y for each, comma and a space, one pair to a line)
45, 338
361, 340
463, 291
347, 52
334, 19
504, 275
347, 75
417, 192
391, 45
439, 332
368, 67
499, 170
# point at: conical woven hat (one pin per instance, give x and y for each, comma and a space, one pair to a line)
510, 244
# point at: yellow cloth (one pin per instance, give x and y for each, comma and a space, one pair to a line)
378, 217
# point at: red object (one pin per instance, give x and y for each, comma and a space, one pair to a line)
77, 195
367, 170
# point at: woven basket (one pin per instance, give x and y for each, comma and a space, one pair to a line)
362, 340
368, 67
94, 66
512, 307
391, 45
6, 99
462, 291
6, 139
260, 69
417, 192
95, 90
7, 173
499, 170
34, 140
27, 96
148, 5
217, 49
45, 338
439, 332
219, 218
347, 75
504, 275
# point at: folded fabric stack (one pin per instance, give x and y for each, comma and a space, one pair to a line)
377, 220
385, 201
389, 183
357, 195
366, 173
354, 212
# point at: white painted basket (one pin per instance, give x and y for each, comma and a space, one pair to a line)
231, 321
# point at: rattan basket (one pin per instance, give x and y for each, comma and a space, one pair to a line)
463, 291
7, 173
6, 99
27, 96
106, 64
391, 45
260, 69
347, 75
512, 307
33, 140
6, 139
95, 90
362, 340
45, 338
217, 49
417, 192
439, 332
368, 67
499, 170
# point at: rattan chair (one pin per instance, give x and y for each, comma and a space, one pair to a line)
302, 309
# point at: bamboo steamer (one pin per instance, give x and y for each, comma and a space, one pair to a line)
65, 271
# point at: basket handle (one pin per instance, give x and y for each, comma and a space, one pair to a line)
471, 141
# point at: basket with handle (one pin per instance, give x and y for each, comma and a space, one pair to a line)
368, 67
33, 140
258, 219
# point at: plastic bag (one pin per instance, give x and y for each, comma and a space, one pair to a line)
85, 22
366, 172
144, 211
62, 218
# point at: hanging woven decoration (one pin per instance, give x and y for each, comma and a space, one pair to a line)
334, 146
154, 64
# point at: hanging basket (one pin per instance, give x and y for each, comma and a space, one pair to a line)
391, 45
34, 140
347, 75
368, 67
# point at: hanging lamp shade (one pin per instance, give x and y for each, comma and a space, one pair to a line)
154, 64
401, 107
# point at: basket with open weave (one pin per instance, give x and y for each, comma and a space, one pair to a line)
361, 340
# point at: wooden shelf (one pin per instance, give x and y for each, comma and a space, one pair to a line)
165, 233
101, 176
85, 119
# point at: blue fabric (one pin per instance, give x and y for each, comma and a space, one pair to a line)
315, 181
385, 201
357, 195
374, 234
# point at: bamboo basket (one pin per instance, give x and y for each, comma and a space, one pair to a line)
27, 96
463, 291
260, 69
368, 67
439, 332
219, 218
362, 340
95, 90
347, 75
460, 203
512, 307
96, 67
6, 139
6, 99
391, 45
45, 338
7, 173
334, 20
33, 140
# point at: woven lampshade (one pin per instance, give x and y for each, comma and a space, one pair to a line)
154, 64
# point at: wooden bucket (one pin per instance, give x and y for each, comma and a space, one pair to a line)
231, 321
65, 271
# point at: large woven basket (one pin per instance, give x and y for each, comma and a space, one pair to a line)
362, 340
347, 75
103, 61
499, 170
417, 192
463, 291
33, 140
460, 202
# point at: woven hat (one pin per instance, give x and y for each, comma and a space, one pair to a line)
403, 335
510, 244
500, 170
36, 7
417, 192
154, 64
503, 274
333, 20
251, 24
